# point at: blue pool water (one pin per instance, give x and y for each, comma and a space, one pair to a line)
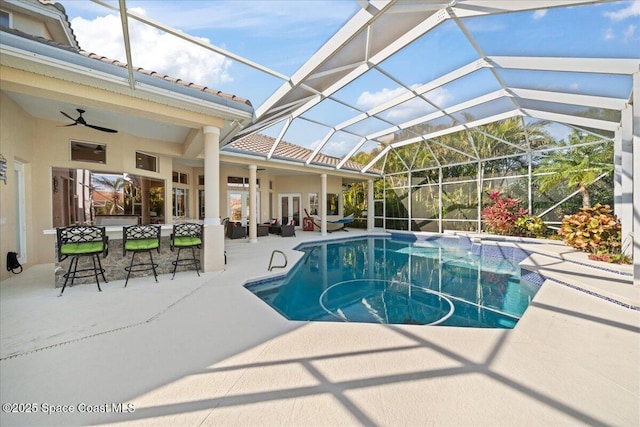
397, 281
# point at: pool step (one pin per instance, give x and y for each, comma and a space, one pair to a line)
601, 280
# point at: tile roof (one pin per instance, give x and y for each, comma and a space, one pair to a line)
61, 8
260, 144
117, 63
167, 78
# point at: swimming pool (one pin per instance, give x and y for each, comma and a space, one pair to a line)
438, 281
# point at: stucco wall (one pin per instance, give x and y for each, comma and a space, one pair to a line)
15, 144
302, 184
42, 144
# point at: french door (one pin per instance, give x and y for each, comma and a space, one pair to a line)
238, 204
290, 208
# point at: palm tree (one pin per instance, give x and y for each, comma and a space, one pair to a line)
577, 167
115, 185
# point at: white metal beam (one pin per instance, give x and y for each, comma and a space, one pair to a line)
376, 59
180, 34
454, 129
320, 146
369, 165
353, 27
279, 138
467, 8
127, 42
574, 120
623, 177
635, 173
353, 151
573, 65
570, 98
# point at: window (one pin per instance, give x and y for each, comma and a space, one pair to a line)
238, 181
180, 178
332, 204
180, 202
201, 203
146, 162
5, 19
200, 179
88, 152
82, 196
313, 203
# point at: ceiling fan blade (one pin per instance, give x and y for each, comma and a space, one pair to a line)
101, 128
71, 124
68, 116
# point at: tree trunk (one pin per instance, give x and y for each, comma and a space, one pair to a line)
586, 197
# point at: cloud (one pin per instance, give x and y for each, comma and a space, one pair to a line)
632, 10
407, 110
333, 147
539, 14
367, 100
630, 32
255, 16
336, 148
152, 49
609, 34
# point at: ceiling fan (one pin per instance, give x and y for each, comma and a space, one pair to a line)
82, 122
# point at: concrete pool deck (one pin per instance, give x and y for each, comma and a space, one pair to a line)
205, 351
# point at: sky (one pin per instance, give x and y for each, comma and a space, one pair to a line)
282, 35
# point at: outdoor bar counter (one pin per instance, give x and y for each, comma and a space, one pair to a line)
114, 263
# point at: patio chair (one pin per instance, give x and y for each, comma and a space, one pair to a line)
288, 230
82, 241
186, 236
141, 238
262, 230
236, 230
274, 226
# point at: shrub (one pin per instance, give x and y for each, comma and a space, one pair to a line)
501, 215
531, 226
594, 230
611, 258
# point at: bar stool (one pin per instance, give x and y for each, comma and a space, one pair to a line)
140, 238
82, 241
187, 235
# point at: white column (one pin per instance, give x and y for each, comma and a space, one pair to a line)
253, 209
323, 204
370, 206
213, 248
211, 175
623, 177
636, 182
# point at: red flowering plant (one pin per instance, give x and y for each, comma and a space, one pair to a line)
501, 215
